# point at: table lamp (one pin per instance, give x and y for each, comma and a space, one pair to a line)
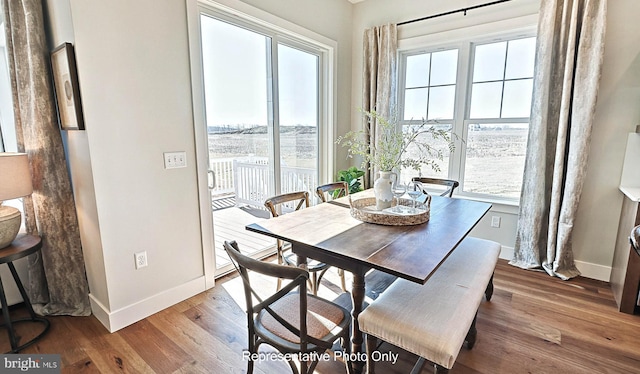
15, 182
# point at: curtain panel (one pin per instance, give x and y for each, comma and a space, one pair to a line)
379, 80
569, 54
57, 281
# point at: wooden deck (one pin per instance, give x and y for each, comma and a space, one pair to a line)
228, 224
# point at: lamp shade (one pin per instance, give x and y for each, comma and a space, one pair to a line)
15, 177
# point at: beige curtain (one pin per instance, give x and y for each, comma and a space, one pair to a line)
379, 78
57, 282
569, 55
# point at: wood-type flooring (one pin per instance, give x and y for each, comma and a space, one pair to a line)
533, 324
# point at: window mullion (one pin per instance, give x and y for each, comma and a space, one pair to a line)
463, 90
274, 113
504, 77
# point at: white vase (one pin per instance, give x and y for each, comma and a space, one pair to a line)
382, 189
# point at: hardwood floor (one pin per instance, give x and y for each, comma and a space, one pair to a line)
533, 324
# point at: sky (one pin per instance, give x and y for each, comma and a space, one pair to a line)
236, 77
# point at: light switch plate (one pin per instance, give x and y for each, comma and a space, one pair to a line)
173, 160
495, 221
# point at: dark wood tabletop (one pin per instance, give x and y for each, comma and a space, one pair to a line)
23, 245
327, 233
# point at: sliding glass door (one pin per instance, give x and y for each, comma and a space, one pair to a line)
261, 95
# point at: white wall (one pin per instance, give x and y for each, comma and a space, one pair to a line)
617, 113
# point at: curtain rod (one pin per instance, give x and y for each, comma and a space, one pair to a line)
461, 10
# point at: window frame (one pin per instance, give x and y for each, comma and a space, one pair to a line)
238, 12
491, 33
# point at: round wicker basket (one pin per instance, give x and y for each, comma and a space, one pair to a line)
364, 209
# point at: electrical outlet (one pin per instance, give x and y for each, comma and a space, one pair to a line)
141, 259
495, 221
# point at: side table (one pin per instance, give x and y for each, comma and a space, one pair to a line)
22, 246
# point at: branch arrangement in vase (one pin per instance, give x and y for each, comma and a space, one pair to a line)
392, 144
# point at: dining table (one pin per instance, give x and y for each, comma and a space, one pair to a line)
328, 233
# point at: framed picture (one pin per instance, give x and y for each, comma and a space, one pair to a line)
65, 79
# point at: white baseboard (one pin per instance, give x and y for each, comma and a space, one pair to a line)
594, 271
506, 253
588, 270
118, 319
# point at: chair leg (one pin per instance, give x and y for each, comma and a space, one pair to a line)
489, 291
343, 284
294, 369
314, 283
280, 262
252, 349
346, 347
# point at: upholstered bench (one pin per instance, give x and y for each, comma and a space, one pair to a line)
435, 319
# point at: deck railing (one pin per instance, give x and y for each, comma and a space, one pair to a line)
248, 178
222, 169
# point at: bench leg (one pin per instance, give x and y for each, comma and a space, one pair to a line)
471, 335
417, 368
437, 369
371, 346
489, 291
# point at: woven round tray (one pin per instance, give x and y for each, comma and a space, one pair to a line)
365, 210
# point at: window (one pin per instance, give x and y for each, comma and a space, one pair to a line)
482, 91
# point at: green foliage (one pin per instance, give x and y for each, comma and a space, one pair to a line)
352, 177
392, 143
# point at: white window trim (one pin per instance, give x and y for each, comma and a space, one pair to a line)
524, 26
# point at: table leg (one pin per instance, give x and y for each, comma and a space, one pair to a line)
357, 300
7, 319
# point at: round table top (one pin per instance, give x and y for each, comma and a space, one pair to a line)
23, 245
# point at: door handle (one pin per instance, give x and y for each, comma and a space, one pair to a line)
211, 179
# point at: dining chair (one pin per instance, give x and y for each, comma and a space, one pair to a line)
331, 191
449, 184
290, 320
328, 192
281, 204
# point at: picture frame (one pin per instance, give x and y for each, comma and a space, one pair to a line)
67, 90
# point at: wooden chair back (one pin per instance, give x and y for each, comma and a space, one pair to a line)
293, 200
332, 191
299, 278
244, 264
279, 310
450, 184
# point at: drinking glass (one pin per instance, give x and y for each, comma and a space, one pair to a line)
398, 189
414, 190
